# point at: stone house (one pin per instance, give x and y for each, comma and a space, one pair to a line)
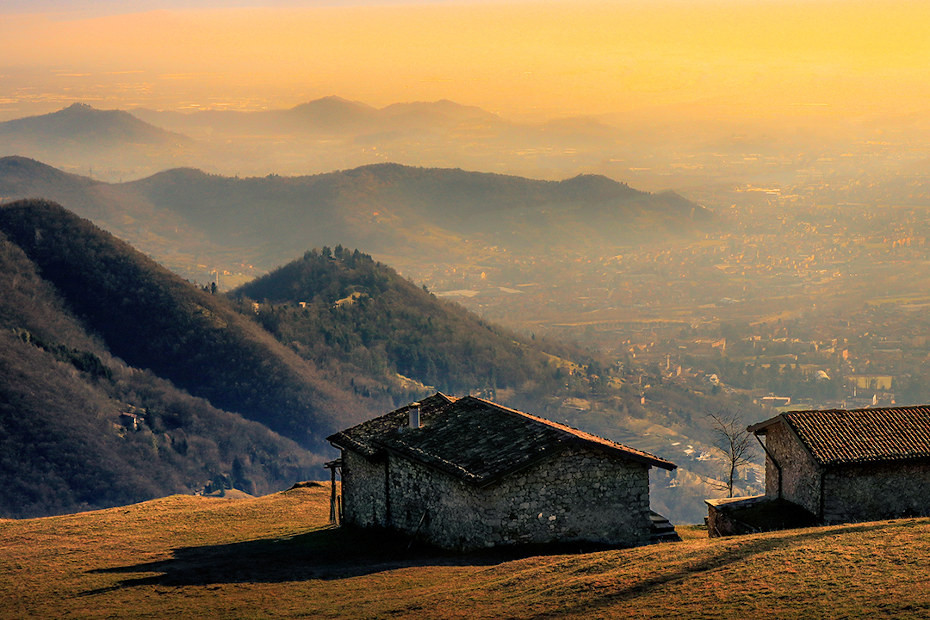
468, 473
847, 465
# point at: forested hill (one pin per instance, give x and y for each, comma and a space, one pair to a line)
338, 306
153, 319
81, 429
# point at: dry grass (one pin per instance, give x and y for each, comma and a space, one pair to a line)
276, 556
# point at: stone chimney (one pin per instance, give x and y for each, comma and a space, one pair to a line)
413, 415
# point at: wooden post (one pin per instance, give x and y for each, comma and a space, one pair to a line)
332, 496
335, 507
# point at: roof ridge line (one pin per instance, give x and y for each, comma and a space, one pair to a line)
558, 425
574, 433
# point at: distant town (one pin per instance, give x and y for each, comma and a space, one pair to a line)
808, 296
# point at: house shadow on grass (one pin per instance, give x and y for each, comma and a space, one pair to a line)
731, 550
324, 554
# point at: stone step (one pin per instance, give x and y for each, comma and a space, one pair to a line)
661, 529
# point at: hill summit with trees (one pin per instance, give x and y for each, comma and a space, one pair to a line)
343, 310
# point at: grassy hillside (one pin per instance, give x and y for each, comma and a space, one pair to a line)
276, 556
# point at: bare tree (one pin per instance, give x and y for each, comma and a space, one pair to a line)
734, 442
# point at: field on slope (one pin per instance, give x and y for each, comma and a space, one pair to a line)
277, 556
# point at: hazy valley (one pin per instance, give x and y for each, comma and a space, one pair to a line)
792, 292
359, 338
247, 245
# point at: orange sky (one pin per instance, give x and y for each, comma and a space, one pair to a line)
544, 58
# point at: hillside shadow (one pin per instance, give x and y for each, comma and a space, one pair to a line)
726, 556
339, 552
325, 554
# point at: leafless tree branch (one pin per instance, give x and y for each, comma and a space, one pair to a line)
734, 442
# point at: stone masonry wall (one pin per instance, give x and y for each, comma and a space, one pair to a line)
800, 474
579, 495
871, 492
363, 499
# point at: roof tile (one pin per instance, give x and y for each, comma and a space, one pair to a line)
839, 436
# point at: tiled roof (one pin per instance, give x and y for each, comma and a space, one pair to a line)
475, 439
837, 436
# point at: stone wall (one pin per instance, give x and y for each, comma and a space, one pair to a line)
579, 495
869, 492
800, 475
723, 515
720, 522
363, 491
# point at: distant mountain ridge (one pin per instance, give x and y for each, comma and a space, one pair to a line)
381, 207
330, 114
112, 143
391, 210
328, 133
81, 122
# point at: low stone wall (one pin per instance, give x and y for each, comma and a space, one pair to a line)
579, 495
720, 515
759, 513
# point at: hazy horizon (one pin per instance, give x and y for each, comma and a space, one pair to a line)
818, 62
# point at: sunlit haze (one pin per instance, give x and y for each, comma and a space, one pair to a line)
706, 59
230, 229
